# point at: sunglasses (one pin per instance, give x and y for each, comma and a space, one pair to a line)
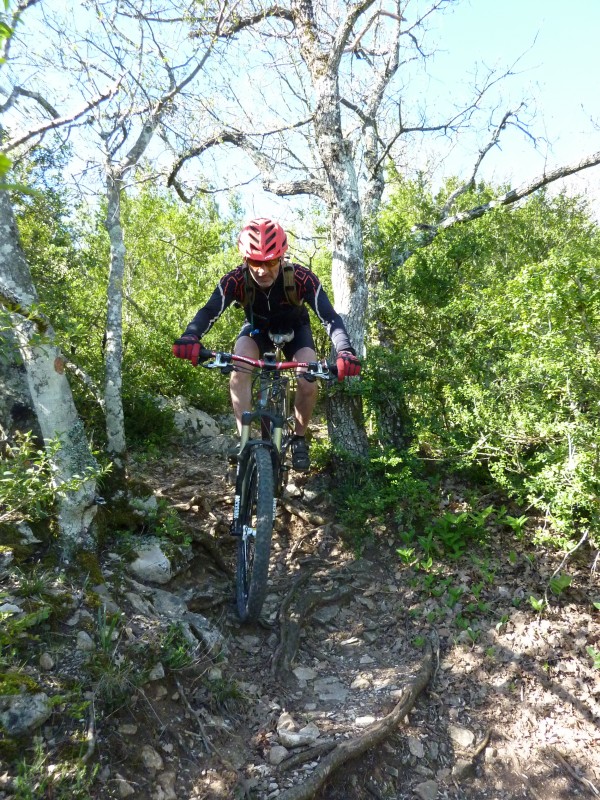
271, 264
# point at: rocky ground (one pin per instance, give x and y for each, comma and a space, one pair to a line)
443, 683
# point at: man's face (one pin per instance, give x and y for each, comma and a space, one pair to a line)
264, 272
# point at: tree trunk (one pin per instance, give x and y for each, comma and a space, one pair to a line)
49, 390
113, 356
345, 420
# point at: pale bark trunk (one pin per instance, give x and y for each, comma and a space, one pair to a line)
345, 418
50, 391
113, 357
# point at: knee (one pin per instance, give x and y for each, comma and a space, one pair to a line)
307, 389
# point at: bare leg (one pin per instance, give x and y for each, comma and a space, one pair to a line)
240, 383
306, 393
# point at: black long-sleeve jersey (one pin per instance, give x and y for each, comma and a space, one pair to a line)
271, 309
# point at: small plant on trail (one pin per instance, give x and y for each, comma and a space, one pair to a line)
175, 649
516, 524
559, 583
595, 656
454, 595
34, 583
407, 555
537, 605
107, 632
37, 778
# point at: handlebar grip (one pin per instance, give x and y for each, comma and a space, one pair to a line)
333, 368
204, 354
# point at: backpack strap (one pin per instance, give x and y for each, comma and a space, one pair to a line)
289, 284
289, 287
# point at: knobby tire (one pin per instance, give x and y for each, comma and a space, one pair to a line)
253, 553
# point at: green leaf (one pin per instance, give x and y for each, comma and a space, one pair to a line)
559, 583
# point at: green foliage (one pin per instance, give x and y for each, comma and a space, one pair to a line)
594, 655
27, 486
176, 651
451, 533
492, 332
175, 255
537, 604
387, 486
65, 781
12, 628
559, 583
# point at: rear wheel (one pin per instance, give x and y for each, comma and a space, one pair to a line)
254, 545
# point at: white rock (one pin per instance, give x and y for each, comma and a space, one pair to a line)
157, 672
167, 782
10, 608
362, 682
305, 673
144, 505
307, 735
20, 714
461, 736
151, 563
277, 754
428, 790
128, 729
190, 421
330, 689
27, 534
85, 642
289, 736
416, 747
46, 662
151, 759
364, 722
125, 789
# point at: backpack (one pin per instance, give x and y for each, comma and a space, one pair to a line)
289, 287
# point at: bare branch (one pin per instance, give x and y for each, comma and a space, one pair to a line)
15, 19
379, 13
60, 122
239, 139
87, 381
18, 91
429, 232
343, 33
276, 12
522, 191
289, 188
482, 153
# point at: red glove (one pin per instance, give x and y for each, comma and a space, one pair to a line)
187, 346
347, 365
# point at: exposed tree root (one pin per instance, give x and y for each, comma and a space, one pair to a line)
306, 516
554, 753
376, 733
311, 754
292, 614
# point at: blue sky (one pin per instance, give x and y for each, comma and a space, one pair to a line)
558, 73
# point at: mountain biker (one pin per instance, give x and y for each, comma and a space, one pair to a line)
272, 292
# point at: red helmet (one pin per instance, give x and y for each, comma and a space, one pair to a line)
262, 239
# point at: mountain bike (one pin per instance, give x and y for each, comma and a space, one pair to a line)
262, 461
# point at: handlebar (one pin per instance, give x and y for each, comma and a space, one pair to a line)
226, 361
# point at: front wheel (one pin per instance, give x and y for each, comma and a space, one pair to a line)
254, 545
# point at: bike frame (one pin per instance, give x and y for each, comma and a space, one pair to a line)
269, 410
261, 465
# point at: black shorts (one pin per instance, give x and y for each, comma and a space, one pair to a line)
302, 338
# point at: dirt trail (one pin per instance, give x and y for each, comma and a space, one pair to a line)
511, 710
